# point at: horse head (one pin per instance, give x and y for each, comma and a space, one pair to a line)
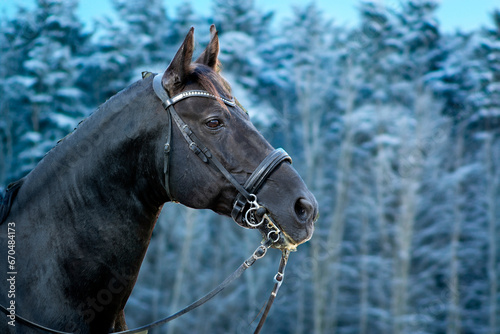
217, 131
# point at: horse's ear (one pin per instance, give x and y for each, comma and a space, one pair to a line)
180, 66
209, 56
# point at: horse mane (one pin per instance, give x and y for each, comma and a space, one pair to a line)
8, 198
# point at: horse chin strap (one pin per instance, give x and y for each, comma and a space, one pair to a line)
246, 208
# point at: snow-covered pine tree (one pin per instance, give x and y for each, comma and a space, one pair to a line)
243, 30
491, 116
146, 30
391, 124
487, 118
184, 18
466, 81
242, 16
41, 102
125, 47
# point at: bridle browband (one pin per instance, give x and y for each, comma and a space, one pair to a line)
254, 216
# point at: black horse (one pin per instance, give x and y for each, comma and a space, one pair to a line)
78, 225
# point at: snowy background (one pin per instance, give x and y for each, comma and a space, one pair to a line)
393, 122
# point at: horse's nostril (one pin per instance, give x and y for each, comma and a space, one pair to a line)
303, 209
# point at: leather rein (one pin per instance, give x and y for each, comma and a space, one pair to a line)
245, 206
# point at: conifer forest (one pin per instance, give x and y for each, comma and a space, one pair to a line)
393, 124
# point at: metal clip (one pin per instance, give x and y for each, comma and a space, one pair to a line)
257, 254
278, 278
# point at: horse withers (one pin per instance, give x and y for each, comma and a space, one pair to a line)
75, 230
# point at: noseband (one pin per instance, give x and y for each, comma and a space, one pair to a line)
246, 198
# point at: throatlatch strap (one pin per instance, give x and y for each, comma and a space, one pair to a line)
166, 157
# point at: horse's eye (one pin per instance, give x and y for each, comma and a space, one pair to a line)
214, 123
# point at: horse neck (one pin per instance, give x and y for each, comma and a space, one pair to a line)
107, 167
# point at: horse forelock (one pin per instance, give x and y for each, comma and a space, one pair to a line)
211, 81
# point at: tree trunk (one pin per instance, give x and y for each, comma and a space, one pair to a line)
328, 320
493, 184
364, 302
158, 278
453, 317
183, 266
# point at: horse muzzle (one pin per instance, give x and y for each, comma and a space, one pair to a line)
257, 216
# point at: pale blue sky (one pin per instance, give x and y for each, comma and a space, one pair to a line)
453, 14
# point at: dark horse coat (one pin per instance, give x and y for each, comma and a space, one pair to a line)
78, 225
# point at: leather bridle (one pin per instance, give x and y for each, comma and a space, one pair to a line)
246, 198
245, 206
